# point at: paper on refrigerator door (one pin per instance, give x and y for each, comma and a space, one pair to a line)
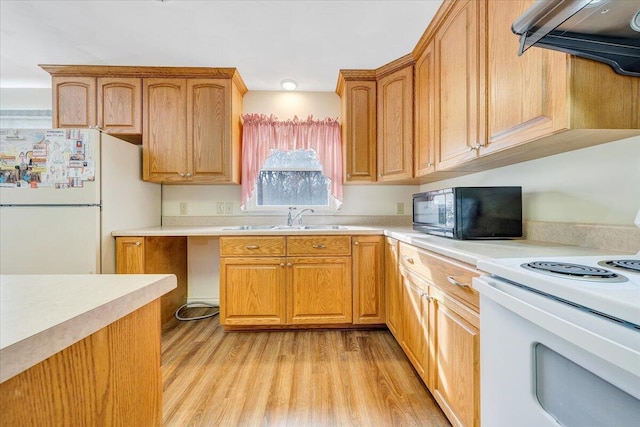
55, 158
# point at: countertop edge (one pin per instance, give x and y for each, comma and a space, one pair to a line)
28, 352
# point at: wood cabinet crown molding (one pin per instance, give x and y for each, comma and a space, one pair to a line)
146, 71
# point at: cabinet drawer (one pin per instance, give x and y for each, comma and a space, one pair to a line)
453, 277
252, 246
318, 245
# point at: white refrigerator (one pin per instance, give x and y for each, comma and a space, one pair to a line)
62, 193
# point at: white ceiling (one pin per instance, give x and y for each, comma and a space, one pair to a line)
268, 41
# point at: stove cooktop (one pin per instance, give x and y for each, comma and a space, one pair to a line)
607, 284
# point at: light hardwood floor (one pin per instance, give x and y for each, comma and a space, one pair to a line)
289, 378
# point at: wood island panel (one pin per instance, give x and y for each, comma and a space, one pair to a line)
112, 377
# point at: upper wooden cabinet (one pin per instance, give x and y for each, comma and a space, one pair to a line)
113, 104
377, 123
395, 120
357, 90
459, 78
552, 95
187, 118
119, 105
191, 131
492, 108
424, 161
74, 102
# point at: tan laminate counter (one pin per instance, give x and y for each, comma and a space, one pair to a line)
41, 315
469, 251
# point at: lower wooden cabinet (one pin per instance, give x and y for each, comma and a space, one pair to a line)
415, 323
252, 291
279, 280
441, 330
156, 255
393, 288
368, 280
456, 383
319, 290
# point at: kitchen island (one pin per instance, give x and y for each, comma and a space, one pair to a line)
81, 349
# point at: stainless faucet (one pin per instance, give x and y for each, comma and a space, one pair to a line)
291, 218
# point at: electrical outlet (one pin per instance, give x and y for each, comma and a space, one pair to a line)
228, 208
219, 208
184, 208
400, 208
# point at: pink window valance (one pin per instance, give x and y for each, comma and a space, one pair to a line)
261, 134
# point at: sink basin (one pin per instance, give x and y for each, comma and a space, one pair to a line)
285, 227
322, 227
251, 227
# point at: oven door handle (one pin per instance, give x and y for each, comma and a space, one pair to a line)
531, 306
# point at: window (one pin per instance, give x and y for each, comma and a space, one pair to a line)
292, 178
290, 163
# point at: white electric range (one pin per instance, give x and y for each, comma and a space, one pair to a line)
560, 341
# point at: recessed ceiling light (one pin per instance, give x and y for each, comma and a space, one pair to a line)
289, 84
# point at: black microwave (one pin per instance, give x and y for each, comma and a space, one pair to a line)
469, 212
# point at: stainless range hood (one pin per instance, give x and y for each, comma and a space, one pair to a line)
602, 30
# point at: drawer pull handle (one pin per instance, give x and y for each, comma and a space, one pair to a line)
409, 260
455, 282
318, 246
252, 247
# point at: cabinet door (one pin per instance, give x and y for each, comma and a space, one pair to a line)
414, 323
424, 123
120, 105
252, 291
395, 125
393, 289
526, 94
209, 130
457, 381
164, 141
459, 61
319, 290
359, 131
130, 255
74, 102
368, 280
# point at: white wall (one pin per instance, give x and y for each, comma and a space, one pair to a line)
25, 99
595, 185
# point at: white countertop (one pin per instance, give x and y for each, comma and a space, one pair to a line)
41, 315
469, 251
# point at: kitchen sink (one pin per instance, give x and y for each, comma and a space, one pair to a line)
251, 227
285, 227
322, 227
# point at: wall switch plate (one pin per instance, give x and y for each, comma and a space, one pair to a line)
184, 208
219, 208
400, 208
228, 208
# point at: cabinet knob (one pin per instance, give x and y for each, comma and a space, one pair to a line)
409, 260
188, 175
282, 264
138, 243
289, 264
429, 164
181, 174
348, 175
427, 296
356, 243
